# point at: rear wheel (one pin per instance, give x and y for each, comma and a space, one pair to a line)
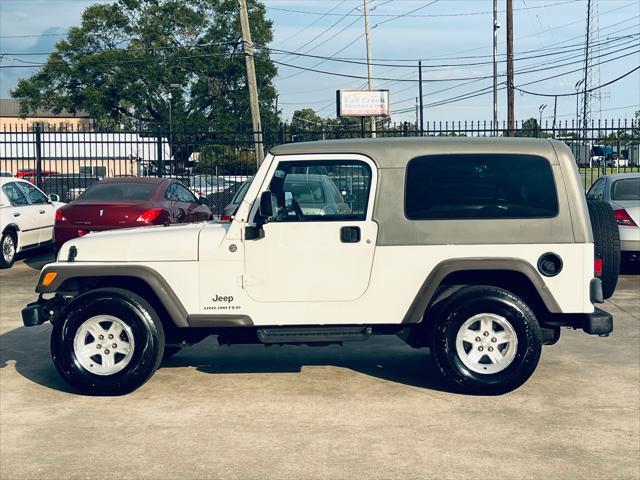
109, 342
606, 243
7, 249
486, 340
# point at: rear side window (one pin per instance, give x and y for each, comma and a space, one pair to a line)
128, 191
479, 186
626, 189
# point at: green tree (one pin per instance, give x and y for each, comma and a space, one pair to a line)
172, 64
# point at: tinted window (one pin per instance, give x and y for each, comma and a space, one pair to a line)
119, 191
184, 195
626, 189
596, 190
34, 195
171, 193
322, 190
242, 191
14, 194
479, 186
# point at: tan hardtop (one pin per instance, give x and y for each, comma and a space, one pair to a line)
397, 151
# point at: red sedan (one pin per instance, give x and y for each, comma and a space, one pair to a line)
128, 202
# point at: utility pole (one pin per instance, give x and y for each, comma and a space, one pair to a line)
555, 114
417, 114
369, 66
496, 26
420, 97
251, 81
510, 100
585, 79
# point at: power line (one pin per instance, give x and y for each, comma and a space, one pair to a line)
484, 91
436, 15
333, 58
571, 94
313, 23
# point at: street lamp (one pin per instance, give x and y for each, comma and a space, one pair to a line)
541, 109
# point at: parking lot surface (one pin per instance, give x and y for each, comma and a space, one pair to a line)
366, 410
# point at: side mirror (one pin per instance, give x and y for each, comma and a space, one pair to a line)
53, 197
267, 204
202, 200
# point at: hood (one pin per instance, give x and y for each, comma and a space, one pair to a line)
174, 243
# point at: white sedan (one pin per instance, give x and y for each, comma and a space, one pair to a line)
622, 192
26, 218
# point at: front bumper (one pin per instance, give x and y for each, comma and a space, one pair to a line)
41, 311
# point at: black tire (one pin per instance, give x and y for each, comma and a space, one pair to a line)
462, 306
170, 351
606, 243
7, 258
132, 310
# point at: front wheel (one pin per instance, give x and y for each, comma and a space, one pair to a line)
8, 249
109, 342
486, 340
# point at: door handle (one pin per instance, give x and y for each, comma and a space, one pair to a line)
42, 211
16, 214
350, 234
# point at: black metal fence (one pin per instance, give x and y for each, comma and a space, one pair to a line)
214, 164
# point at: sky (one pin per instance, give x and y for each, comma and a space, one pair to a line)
448, 35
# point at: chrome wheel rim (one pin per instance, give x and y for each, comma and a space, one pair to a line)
104, 345
486, 343
8, 248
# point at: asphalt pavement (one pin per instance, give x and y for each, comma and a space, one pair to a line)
375, 409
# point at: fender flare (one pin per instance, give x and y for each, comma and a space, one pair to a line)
152, 278
428, 288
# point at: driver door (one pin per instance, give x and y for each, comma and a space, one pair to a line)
318, 246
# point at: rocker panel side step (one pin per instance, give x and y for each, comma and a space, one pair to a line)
313, 334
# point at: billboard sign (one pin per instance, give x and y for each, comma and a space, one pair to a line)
362, 103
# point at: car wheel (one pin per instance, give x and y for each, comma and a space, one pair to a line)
606, 243
8, 244
108, 342
486, 340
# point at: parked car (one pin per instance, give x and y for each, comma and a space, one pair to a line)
205, 185
26, 218
230, 210
315, 194
483, 276
5, 174
31, 173
622, 192
128, 202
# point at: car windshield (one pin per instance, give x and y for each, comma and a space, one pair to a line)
128, 191
242, 191
626, 189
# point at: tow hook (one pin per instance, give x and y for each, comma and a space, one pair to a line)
43, 310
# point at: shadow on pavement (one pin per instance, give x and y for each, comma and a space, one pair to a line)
28, 349
384, 357
630, 268
39, 259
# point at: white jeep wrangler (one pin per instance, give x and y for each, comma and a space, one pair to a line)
480, 249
